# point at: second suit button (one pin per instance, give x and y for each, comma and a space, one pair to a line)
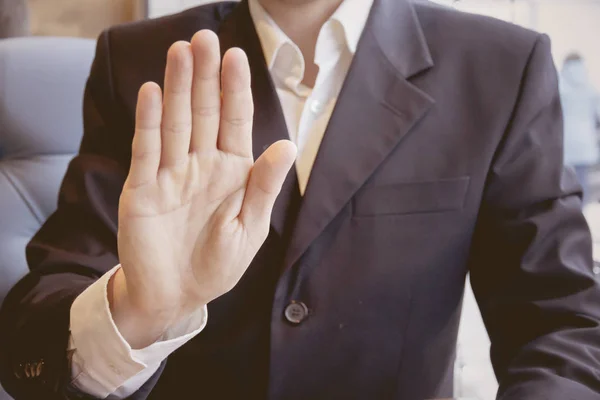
296, 312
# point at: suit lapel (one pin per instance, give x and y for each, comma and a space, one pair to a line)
269, 124
377, 107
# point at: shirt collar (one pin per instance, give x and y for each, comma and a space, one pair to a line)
351, 15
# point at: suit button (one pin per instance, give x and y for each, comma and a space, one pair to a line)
296, 312
30, 370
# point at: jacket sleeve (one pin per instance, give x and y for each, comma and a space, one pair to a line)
531, 262
75, 246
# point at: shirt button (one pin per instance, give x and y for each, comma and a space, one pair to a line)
316, 106
296, 312
596, 270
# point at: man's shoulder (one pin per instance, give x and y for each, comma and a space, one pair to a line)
206, 15
133, 53
159, 33
465, 33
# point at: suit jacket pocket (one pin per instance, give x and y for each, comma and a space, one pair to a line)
413, 197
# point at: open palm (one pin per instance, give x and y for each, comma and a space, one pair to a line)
195, 208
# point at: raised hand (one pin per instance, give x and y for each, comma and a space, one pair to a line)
195, 208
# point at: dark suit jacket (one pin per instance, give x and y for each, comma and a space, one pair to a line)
443, 155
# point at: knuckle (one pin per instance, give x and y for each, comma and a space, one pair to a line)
147, 126
238, 122
176, 127
145, 154
208, 78
206, 111
177, 90
243, 91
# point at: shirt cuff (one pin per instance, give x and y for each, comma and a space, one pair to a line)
102, 360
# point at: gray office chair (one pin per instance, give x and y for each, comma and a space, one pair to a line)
41, 90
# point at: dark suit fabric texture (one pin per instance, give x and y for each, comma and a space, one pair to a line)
443, 156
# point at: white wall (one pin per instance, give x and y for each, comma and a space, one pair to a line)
157, 8
573, 25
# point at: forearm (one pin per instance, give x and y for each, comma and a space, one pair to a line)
543, 316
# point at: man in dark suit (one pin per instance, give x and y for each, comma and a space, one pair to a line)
442, 155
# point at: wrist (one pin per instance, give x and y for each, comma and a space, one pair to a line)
138, 327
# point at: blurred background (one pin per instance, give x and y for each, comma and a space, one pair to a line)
574, 28
81, 18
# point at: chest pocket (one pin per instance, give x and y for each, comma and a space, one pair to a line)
411, 198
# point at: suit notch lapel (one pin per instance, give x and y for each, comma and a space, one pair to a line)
377, 107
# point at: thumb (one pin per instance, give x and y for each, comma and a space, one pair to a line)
266, 178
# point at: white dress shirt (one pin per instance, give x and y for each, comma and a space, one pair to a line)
307, 111
103, 363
